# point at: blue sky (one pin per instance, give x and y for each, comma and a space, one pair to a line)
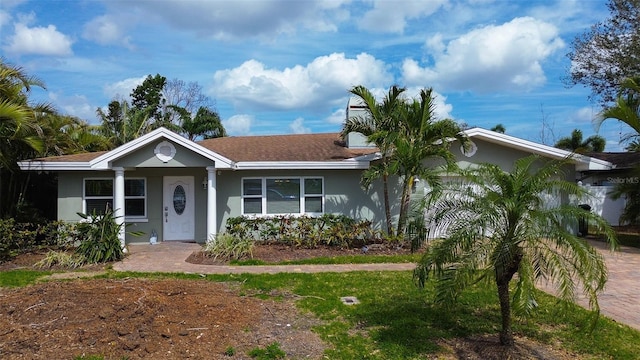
285, 66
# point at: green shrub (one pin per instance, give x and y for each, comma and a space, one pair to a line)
227, 246
304, 231
99, 240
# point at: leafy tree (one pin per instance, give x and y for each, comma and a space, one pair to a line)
607, 54
499, 128
377, 125
497, 224
594, 143
626, 109
157, 103
148, 97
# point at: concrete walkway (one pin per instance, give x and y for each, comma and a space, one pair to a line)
620, 300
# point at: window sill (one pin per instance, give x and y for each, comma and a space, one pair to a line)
136, 220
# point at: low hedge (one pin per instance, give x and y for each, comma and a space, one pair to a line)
304, 231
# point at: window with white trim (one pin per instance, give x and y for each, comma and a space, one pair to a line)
99, 193
285, 195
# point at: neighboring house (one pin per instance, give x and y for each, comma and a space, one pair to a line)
187, 190
600, 183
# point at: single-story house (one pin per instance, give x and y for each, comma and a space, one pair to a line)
185, 190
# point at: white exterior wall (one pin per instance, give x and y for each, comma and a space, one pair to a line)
603, 204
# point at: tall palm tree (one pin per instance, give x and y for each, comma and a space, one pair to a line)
378, 126
205, 124
626, 108
122, 123
418, 136
497, 224
594, 143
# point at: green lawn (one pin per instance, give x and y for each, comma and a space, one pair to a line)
396, 320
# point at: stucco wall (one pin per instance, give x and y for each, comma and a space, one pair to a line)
343, 194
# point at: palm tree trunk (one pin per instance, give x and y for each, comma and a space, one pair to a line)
506, 335
387, 209
503, 279
404, 204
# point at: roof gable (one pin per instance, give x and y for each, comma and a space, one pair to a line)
582, 162
104, 161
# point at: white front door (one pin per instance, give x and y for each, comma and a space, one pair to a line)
178, 208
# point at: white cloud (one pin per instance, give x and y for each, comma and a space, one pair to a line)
104, 30
39, 40
583, 115
492, 58
442, 110
123, 88
339, 116
76, 105
240, 18
297, 127
238, 124
390, 16
323, 80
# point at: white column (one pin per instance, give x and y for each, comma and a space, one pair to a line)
211, 203
118, 203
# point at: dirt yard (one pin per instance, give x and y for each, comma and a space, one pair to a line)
180, 319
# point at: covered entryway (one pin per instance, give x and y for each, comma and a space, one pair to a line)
178, 208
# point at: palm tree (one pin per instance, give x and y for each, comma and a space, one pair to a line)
377, 125
633, 146
205, 124
594, 143
496, 224
20, 133
626, 108
122, 123
418, 137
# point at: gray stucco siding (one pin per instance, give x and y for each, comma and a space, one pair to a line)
342, 190
70, 199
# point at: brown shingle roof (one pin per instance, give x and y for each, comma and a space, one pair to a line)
622, 160
299, 147
303, 147
83, 157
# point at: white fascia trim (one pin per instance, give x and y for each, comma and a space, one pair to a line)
36, 165
301, 165
103, 161
367, 158
539, 149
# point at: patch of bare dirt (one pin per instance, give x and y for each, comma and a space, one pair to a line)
488, 348
158, 319
185, 319
274, 253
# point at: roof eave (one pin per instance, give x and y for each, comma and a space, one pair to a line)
35, 165
301, 165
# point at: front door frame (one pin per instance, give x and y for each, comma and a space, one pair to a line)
178, 227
